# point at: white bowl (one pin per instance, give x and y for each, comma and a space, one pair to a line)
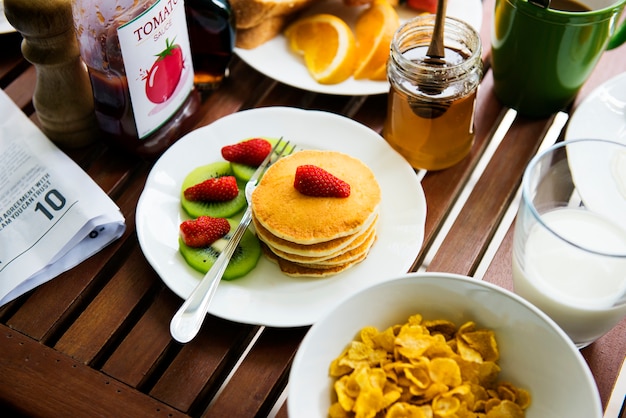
535, 353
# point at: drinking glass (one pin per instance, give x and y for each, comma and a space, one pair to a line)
569, 249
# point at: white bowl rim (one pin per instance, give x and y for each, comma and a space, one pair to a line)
299, 357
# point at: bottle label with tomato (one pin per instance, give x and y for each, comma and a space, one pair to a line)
157, 60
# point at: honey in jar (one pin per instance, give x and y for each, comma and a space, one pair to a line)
430, 112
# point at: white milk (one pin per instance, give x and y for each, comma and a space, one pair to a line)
576, 288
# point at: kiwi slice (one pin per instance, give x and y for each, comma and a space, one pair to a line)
215, 209
244, 259
243, 172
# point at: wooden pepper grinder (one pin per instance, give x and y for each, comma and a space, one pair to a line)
63, 98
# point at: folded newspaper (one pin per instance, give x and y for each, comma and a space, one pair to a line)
53, 215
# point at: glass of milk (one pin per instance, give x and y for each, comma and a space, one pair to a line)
569, 250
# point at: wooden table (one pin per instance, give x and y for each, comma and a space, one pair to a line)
95, 341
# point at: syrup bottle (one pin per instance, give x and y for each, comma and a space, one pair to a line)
211, 26
139, 63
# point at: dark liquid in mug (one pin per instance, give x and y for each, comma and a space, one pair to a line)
568, 6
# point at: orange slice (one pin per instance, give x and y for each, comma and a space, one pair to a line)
327, 44
380, 74
374, 31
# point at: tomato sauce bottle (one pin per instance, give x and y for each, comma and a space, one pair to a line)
211, 25
139, 62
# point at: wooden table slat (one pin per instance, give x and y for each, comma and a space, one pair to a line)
13, 63
464, 245
134, 360
264, 367
95, 341
194, 374
39, 381
16, 90
112, 171
79, 341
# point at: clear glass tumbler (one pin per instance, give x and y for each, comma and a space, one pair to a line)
569, 250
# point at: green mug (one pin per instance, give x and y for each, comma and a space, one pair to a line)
541, 57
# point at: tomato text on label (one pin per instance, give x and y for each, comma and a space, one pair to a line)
156, 20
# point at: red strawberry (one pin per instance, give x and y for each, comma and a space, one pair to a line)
203, 231
215, 189
250, 152
423, 5
314, 181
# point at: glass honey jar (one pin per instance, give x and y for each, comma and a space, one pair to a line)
430, 112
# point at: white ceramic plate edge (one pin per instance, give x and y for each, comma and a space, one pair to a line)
601, 115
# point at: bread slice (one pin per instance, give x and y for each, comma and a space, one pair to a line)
251, 13
250, 38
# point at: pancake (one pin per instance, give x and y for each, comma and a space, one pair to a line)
338, 257
296, 270
287, 214
354, 254
316, 236
319, 250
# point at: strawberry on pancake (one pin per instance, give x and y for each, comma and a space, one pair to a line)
316, 212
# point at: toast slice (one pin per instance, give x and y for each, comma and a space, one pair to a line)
251, 13
250, 38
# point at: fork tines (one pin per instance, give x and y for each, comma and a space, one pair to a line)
268, 160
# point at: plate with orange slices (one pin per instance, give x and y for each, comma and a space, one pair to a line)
278, 60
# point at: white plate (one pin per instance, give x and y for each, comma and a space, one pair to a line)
266, 296
5, 26
275, 60
602, 115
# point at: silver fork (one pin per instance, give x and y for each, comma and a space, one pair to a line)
187, 321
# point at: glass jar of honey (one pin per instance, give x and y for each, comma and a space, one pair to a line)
430, 112
140, 66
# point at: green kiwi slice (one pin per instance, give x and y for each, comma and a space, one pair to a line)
243, 172
243, 261
214, 209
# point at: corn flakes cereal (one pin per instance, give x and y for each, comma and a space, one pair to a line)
423, 369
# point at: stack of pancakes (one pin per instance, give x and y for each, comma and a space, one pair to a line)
316, 236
